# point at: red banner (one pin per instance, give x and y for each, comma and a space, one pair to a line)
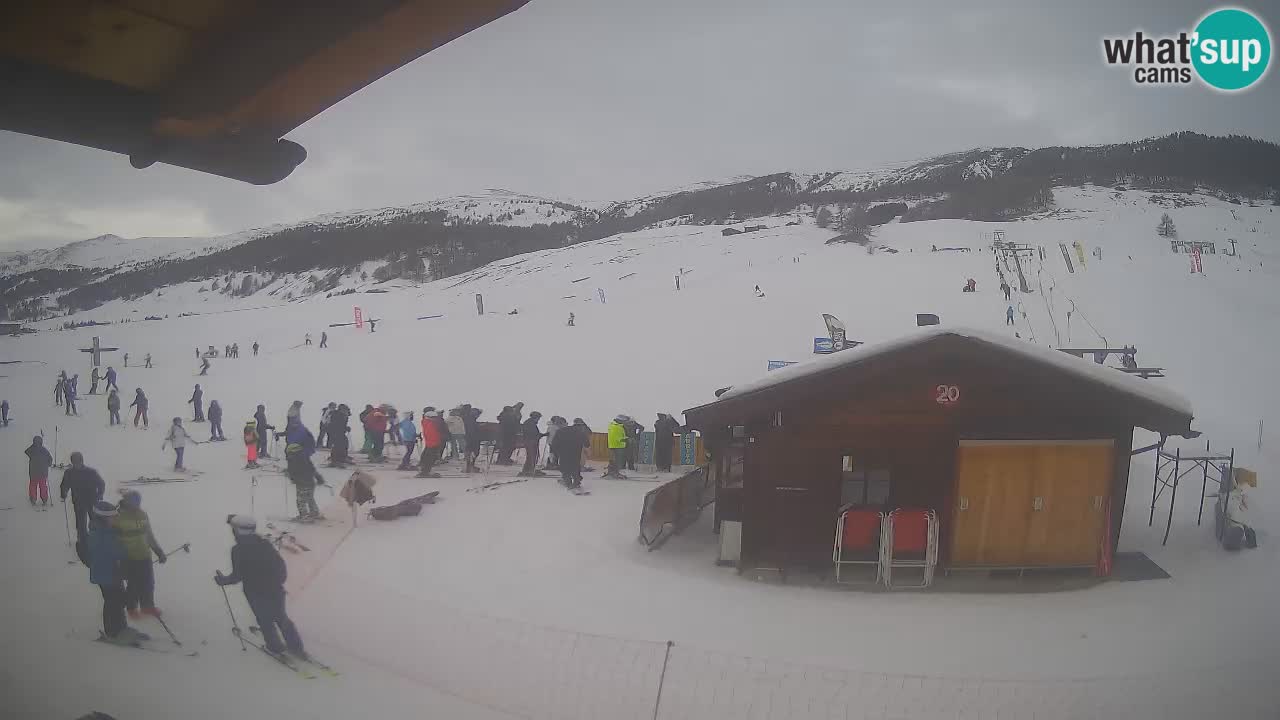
359, 319
1196, 267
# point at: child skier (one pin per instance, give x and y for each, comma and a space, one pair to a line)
133, 528
38, 463
408, 432
256, 563
177, 437
251, 444
113, 407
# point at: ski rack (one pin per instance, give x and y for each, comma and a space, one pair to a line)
1169, 471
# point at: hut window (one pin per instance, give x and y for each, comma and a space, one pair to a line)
863, 484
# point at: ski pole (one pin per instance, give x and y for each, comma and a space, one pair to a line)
235, 627
185, 547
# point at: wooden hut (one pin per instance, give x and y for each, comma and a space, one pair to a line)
1021, 451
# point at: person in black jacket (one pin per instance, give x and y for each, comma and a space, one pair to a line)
663, 442
197, 401
38, 463
509, 421
567, 445
215, 421
531, 437
140, 402
632, 454
86, 487
471, 426
263, 426
338, 442
256, 564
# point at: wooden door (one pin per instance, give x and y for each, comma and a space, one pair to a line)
1027, 504
993, 496
1072, 481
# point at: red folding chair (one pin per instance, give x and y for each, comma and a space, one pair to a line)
912, 542
860, 541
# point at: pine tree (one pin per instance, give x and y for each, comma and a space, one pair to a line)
1166, 228
823, 216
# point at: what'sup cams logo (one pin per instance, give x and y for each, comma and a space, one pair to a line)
1228, 50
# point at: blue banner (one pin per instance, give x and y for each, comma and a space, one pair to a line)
646, 448
823, 346
775, 364
689, 449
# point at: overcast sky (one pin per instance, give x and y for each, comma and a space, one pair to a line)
611, 99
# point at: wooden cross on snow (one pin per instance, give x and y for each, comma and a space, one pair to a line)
97, 351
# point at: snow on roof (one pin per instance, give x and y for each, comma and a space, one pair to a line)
1056, 359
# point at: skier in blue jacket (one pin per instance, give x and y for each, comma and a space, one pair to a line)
106, 554
409, 436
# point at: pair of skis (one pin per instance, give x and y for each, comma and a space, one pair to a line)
306, 667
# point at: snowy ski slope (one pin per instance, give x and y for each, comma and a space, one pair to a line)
526, 602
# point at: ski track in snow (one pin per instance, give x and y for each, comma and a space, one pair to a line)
527, 602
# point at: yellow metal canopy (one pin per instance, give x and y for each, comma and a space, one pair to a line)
211, 85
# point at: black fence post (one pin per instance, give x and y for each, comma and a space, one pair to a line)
662, 678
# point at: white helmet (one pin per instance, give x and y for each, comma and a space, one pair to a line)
242, 524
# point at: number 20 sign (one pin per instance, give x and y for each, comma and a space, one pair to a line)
946, 395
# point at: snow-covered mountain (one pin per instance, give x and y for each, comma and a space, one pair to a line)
445, 237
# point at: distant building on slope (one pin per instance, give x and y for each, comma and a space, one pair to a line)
1021, 452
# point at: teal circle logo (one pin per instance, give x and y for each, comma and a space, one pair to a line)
1232, 49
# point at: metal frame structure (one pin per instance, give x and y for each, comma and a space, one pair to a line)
1169, 472
837, 554
927, 563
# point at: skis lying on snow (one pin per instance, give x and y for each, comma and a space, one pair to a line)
498, 484
143, 480
286, 541
578, 491
308, 660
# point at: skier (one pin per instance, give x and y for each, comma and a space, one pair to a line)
204, 366
197, 402
113, 407
663, 442
435, 433
69, 389
259, 566
1008, 316
133, 528
226, 351
372, 324
509, 421
58, 388
367, 447
581, 426
325, 416
140, 401
177, 437
263, 427
307, 340
324, 339
126, 359
38, 463
4, 413
759, 292
1129, 361
1004, 288
235, 350
251, 444
86, 487
457, 434
111, 375
570, 319
531, 437
105, 553
215, 421
146, 362
304, 476
338, 429
255, 348
93, 382
393, 425
617, 446
376, 423
471, 437
555, 425
407, 430
197, 353
634, 430
567, 445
